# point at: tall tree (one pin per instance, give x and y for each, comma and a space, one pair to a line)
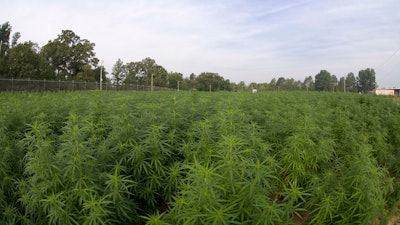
86, 74
212, 81
68, 55
341, 85
160, 76
15, 38
334, 82
241, 86
5, 31
118, 72
366, 80
350, 82
100, 70
280, 83
323, 81
291, 84
23, 61
191, 81
131, 70
143, 72
308, 83
175, 80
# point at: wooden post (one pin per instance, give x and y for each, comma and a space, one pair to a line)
101, 75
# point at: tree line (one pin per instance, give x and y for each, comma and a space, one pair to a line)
147, 71
69, 57
324, 81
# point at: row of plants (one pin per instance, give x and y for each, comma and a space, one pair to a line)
198, 158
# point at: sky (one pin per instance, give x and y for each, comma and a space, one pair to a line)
241, 40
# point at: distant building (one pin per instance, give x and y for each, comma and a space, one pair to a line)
389, 92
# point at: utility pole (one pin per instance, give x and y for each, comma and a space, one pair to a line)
151, 83
178, 85
101, 76
344, 84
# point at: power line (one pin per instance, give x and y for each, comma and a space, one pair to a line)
385, 70
387, 60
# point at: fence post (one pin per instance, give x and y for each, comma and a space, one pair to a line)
12, 84
44, 84
59, 85
29, 79
73, 85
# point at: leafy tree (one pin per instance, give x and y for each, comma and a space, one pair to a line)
15, 39
92, 75
366, 80
308, 83
174, 80
341, 83
5, 30
241, 86
254, 85
291, 84
212, 81
118, 72
97, 71
131, 70
68, 54
272, 84
86, 74
323, 81
191, 82
192, 76
160, 76
23, 61
334, 82
280, 83
351, 84
143, 71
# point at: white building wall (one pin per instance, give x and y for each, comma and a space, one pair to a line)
384, 92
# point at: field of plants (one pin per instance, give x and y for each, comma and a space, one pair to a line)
198, 158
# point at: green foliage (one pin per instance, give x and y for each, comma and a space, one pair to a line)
323, 81
67, 55
23, 61
198, 158
211, 82
366, 80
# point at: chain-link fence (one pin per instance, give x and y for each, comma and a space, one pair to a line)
7, 84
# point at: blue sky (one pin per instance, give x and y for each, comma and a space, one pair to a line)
251, 41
